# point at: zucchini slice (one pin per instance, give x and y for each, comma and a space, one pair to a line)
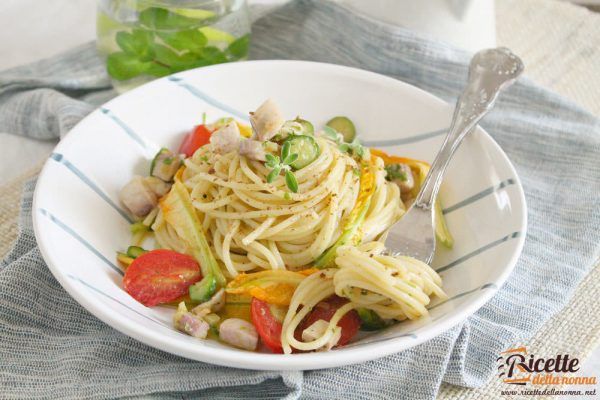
344, 126
306, 147
135, 251
203, 290
307, 127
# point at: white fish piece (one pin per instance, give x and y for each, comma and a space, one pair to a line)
253, 149
238, 333
138, 197
407, 181
193, 325
166, 165
226, 139
158, 186
267, 120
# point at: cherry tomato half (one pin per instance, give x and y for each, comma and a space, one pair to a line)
267, 326
194, 140
160, 276
350, 322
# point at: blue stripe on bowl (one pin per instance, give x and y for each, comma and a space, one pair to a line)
81, 240
478, 251
95, 289
479, 195
59, 158
405, 140
130, 132
208, 99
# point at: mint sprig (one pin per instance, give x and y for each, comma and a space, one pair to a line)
167, 42
276, 165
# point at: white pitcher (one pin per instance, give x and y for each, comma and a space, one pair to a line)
469, 24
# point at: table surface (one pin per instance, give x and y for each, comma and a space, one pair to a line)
63, 24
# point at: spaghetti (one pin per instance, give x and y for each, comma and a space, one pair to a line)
280, 223
256, 224
393, 287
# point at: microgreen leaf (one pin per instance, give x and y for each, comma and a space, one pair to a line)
290, 159
344, 147
285, 150
354, 147
290, 181
272, 160
277, 166
359, 150
331, 133
273, 174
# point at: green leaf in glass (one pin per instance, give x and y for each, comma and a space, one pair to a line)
122, 66
158, 70
239, 47
177, 62
213, 55
190, 39
138, 43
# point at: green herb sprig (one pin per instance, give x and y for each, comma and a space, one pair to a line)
277, 165
165, 43
354, 147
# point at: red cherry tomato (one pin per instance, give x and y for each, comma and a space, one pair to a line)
267, 326
194, 140
350, 322
160, 276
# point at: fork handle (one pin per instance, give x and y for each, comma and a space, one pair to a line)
490, 71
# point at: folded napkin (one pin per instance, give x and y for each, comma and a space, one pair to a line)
50, 347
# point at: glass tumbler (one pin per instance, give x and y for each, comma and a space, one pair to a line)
141, 40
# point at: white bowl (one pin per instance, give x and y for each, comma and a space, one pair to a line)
79, 224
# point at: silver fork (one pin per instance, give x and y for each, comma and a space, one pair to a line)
490, 71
